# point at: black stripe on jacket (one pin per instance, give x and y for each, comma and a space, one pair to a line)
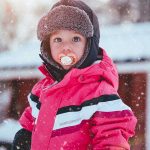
35, 99
74, 108
94, 101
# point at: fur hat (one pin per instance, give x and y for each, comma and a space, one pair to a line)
65, 17
71, 15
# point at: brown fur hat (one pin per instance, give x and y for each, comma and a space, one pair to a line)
65, 17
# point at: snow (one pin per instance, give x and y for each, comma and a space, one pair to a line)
5, 98
8, 129
21, 55
126, 41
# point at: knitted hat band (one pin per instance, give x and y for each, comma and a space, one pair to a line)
65, 17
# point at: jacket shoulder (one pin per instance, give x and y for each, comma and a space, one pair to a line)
40, 85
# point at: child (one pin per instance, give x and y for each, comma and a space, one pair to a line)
76, 106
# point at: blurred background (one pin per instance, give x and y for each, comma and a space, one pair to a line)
125, 34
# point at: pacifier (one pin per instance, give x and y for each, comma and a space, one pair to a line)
67, 59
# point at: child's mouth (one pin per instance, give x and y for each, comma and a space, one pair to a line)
67, 60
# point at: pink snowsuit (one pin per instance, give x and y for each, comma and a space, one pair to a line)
81, 112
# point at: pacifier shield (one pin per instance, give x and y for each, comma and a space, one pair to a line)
66, 60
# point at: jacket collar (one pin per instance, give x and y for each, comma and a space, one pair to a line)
99, 70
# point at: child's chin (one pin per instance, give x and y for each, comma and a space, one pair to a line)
67, 67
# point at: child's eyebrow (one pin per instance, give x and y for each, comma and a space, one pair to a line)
77, 32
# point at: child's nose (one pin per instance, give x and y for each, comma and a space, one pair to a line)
66, 48
66, 51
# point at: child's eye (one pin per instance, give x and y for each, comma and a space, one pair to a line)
57, 40
76, 39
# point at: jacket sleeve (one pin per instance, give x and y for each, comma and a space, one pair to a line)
111, 128
27, 120
30, 114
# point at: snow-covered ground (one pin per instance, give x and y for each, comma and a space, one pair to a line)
8, 128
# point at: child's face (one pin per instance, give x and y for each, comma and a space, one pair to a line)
67, 43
